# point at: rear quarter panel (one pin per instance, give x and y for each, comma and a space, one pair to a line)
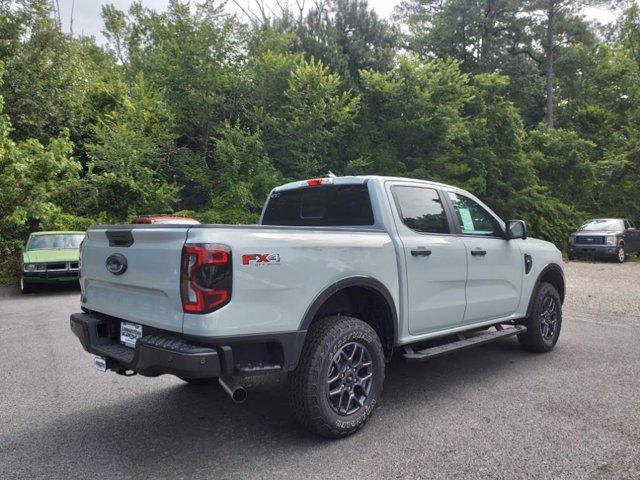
274, 296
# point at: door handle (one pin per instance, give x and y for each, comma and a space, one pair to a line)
478, 253
420, 253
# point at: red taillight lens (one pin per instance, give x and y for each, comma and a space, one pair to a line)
314, 182
205, 277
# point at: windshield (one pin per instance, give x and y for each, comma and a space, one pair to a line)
54, 241
602, 224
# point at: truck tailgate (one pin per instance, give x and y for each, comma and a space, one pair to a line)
148, 290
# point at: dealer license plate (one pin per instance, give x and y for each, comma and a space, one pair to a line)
130, 333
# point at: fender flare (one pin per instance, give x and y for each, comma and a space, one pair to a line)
552, 267
363, 281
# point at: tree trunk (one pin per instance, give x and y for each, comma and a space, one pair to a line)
549, 54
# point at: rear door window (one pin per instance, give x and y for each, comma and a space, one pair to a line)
330, 205
421, 209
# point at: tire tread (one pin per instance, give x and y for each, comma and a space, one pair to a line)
304, 380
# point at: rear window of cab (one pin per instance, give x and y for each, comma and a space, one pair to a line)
326, 206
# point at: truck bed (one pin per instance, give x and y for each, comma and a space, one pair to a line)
277, 273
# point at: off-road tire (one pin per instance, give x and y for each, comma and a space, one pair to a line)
534, 339
309, 381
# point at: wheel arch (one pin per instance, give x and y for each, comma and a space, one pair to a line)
552, 274
362, 297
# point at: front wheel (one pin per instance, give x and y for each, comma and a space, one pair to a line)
621, 255
338, 382
26, 287
545, 321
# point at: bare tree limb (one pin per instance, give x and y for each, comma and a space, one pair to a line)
73, 5
252, 17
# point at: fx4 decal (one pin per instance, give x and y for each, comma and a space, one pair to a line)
260, 259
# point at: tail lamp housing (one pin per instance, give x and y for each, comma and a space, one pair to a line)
205, 277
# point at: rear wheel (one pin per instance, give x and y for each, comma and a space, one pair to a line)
545, 321
338, 382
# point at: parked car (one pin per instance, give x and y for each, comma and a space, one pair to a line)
605, 237
50, 258
153, 219
339, 274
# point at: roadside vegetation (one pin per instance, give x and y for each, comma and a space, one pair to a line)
193, 110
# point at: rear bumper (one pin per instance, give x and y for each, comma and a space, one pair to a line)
161, 352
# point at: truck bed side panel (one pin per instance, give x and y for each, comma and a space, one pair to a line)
273, 296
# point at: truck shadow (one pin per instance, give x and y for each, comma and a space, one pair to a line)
41, 291
182, 428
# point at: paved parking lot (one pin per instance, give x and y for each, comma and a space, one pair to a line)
492, 412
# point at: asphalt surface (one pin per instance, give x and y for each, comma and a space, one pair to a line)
492, 412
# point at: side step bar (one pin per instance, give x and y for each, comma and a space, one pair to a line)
465, 342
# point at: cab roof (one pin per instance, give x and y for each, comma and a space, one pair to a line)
357, 180
65, 232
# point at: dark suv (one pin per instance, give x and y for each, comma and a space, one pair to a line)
610, 237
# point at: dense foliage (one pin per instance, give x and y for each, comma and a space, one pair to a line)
525, 103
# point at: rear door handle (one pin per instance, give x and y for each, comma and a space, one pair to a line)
478, 253
421, 253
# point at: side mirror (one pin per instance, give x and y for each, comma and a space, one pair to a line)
516, 229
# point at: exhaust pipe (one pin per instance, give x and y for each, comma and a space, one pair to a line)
236, 391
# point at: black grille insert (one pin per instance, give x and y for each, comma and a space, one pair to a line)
589, 240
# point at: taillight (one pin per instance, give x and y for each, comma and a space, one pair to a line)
205, 277
316, 182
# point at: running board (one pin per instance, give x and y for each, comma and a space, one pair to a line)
465, 342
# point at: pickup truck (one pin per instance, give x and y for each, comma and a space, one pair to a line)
340, 273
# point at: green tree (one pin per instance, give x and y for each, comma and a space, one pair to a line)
195, 59
244, 176
565, 165
47, 74
302, 132
347, 36
132, 144
412, 118
32, 177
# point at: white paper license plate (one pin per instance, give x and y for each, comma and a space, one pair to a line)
100, 363
130, 333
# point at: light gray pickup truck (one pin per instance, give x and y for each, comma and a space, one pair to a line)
340, 273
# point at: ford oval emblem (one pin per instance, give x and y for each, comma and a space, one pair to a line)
116, 264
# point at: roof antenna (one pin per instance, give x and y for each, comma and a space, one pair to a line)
330, 174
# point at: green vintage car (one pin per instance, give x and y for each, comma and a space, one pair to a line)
51, 258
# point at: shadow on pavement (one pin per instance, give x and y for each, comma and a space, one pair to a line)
180, 427
43, 290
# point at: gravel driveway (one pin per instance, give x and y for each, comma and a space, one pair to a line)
491, 412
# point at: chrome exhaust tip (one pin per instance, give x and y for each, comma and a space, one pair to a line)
236, 391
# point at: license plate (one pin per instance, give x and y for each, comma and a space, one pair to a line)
130, 333
100, 363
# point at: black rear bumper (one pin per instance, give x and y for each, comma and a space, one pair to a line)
161, 352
